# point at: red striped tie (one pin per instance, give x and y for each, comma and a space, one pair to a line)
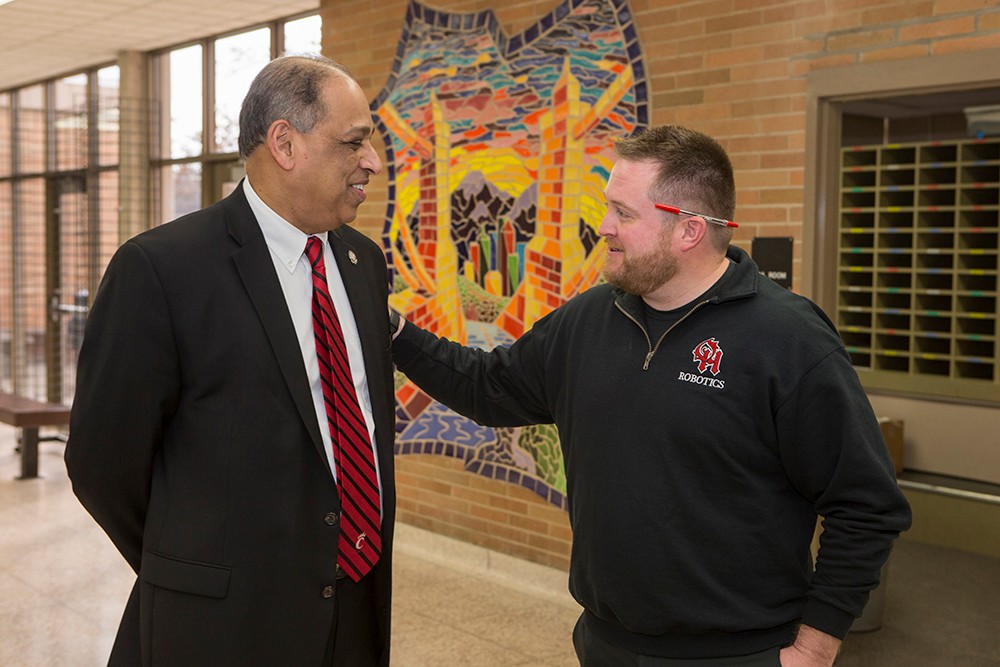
360, 539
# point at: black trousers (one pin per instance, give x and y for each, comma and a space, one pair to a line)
595, 652
354, 641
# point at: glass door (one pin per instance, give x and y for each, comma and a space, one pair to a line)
69, 239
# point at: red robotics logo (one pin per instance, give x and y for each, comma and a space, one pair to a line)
708, 355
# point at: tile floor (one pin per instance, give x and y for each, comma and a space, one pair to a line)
63, 587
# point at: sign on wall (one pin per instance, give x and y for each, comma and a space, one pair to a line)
773, 255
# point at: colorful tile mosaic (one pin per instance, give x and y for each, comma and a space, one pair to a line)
498, 150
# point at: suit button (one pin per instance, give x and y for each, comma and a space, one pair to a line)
331, 519
327, 592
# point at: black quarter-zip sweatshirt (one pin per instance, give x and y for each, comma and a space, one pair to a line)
697, 463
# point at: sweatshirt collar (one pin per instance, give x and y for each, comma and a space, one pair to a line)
738, 285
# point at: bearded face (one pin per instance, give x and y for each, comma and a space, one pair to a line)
641, 269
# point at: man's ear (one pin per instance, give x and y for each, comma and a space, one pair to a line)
279, 143
693, 231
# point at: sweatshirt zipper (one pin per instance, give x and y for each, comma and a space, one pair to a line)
649, 342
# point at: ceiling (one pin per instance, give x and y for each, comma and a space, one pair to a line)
924, 104
46, 38
41, 39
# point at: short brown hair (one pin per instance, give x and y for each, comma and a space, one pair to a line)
693, 172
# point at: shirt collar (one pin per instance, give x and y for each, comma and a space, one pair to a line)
284, 239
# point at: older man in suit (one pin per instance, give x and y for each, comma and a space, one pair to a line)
219, 381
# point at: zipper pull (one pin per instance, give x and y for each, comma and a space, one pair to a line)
649, 357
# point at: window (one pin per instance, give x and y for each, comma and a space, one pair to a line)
6, 155
303, 35
63, 194
30, 137
58, 151
237, 60
181, 192
200, 90
183, 99
108, 112
70, 121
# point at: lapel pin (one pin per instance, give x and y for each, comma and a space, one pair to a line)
351, 256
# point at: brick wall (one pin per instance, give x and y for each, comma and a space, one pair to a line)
735, 69
436, 494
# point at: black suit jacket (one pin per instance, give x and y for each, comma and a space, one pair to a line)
194, 443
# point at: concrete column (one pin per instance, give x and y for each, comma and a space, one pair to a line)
134, 126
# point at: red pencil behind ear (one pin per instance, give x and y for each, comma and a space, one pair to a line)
679, 211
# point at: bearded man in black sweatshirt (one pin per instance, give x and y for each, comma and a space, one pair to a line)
707, 416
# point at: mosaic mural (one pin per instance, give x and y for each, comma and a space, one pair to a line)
498, 150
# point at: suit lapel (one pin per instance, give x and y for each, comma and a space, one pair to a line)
253, 262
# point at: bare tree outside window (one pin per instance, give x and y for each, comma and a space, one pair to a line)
238, 59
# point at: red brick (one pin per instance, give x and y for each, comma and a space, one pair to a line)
840, 60
781, 196
673, 65
475, 524
762, 107
733, 21
762, 35
704, 9
860, 39
904, 11
989, 22
763, 214
782, 160
678, 99
792, 11
822, 26
765, 179
509, 504
546, 543
852, 6
942, 7
731, 127
784, 123
705, 77
760, 70
962, 25
488, 513
897, 53
966, 44
526, 525
564, 533
744, 162
796, 48
546, 511
704, 112
726, 57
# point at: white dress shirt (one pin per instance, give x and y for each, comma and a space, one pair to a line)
287, 244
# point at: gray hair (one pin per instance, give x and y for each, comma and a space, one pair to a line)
289, 88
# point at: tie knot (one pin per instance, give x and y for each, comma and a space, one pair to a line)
314, 249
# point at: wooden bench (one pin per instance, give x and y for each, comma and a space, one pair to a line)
28, 415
